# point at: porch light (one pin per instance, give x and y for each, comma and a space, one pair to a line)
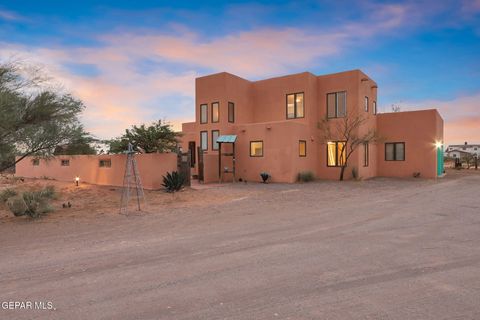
77, 180
438, 144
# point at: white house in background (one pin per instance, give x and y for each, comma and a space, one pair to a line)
462, 150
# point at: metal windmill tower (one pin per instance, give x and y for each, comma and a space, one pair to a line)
132, 185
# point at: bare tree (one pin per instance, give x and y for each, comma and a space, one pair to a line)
347, 130
396, 108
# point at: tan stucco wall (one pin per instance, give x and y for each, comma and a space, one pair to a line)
151, 166
419, 130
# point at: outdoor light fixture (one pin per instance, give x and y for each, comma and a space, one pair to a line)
77, 180
438, 144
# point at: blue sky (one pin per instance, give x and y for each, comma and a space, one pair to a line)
134, 62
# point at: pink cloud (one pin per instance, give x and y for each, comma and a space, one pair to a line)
461, 116
120, 95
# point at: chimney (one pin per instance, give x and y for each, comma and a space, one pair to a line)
466, 143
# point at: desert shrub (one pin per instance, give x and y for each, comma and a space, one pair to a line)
49, 192
265, 176
32, 203
6, 194
17, 206
173, 181
305, 176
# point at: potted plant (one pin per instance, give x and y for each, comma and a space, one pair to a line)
265, 176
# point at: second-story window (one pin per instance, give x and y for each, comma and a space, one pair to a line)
215, 111
337, 104
366, 104
295, 106
203, 113
231, 112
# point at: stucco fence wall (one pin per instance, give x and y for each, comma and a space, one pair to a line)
152, 168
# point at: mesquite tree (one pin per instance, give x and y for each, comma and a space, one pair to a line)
34, 119
347, 129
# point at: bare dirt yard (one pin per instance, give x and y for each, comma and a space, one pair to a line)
377, 249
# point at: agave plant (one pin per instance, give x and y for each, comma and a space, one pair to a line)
264, 176
173, 181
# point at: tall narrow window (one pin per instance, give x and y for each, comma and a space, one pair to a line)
302, 148
336, 153
395, 151
231, 112
215, 111
203, 113
366, 154
366, 104
256, 148
215, 135
204, 140
295, 106
374, 107
337, 104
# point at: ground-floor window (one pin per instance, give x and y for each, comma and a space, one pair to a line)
366, 154
336, 153
215, 135
395, 151
256, 148
106, 163
302, 148
204, 140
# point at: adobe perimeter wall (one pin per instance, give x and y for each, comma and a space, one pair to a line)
152, 168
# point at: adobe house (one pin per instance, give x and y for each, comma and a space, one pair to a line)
272, 126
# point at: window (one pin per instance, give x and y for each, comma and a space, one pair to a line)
106, 163
215, 134
256, 148
35, 162
215, 111
65, 163
203, 113
295, 106
366, 104
374, 107
231, 112
395, 151
302, 148
204, 140
366, 154
337, 104
336, 153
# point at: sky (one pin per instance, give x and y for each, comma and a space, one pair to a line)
134, 62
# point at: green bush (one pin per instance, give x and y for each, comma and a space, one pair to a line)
305, 176
17, 206
32, 203
173, 181
6, 194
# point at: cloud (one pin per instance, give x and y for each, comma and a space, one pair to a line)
10, 16
461, 116
118, 93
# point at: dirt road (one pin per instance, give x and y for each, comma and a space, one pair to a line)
379, 249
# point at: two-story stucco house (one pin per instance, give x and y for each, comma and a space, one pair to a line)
274, 124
